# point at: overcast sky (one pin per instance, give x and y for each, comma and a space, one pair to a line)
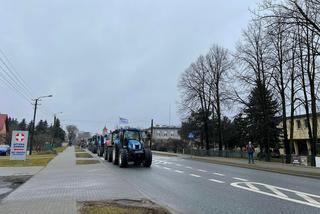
102, 59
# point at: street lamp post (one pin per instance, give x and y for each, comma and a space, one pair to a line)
34, 119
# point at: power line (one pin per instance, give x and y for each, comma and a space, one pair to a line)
11, 80
9, 84
14, 72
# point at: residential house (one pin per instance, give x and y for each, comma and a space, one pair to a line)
301, 142
3, 128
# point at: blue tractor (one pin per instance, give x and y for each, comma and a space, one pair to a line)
129, 147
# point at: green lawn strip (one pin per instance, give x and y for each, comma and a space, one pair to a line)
83, 162
33, 160
83, 155
116, 208
79, 150
60, 149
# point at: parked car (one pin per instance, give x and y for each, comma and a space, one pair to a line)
128, 146
4, 150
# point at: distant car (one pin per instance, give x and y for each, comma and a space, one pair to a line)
4, 150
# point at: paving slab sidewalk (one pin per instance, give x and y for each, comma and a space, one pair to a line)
14, 171
58, 187
290, 169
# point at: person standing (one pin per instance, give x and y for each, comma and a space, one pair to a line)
250, 150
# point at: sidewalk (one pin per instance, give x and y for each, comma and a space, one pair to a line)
289, 169
26, 170
57, 188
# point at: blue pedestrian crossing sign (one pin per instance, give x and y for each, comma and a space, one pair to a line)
190, 135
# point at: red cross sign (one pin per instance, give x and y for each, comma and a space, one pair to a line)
20, 137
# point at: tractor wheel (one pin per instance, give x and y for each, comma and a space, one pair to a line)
123, 158
147, 158
115, 156
105, 154
109, 152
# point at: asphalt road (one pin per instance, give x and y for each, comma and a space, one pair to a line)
188, 186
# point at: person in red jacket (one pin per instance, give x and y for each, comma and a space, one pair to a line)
250, 150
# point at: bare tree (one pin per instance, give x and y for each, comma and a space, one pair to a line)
278, 38
218, 64
72, 133
195, 93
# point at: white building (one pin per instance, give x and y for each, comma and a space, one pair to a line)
166, 133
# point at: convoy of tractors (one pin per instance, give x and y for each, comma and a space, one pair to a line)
121, 147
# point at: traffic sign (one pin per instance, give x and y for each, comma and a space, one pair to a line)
190, 135
19, 143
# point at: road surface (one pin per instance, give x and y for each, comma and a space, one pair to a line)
188, 186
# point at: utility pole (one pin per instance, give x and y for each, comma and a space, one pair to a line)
34, 120
151, 135
33, 125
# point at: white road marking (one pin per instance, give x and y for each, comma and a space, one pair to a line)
102, 158
157, 166
219, 174
252, 187
194, 175
306, 198
217, 181
167, 168
178, 171
178, 164
189, 167
276, 191
202, 170
239, 179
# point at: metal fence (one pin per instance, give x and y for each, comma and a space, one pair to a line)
234, 154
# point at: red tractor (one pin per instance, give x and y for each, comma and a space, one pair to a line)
107, 148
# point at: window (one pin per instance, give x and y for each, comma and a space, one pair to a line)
171, 134
299, 124
165, 134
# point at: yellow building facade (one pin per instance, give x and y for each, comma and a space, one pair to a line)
301, 143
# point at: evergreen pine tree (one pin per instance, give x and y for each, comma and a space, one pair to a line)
262, 121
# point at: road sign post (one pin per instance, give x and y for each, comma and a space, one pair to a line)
19, 143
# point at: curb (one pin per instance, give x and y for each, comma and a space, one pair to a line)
286, 172
165, 154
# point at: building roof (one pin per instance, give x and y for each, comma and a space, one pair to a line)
166, 127
302, 116
3, 118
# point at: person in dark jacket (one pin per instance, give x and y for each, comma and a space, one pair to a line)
250, 150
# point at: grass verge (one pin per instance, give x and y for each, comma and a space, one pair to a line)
121, 207
33, 160
83, 155
60, 149
84, 162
